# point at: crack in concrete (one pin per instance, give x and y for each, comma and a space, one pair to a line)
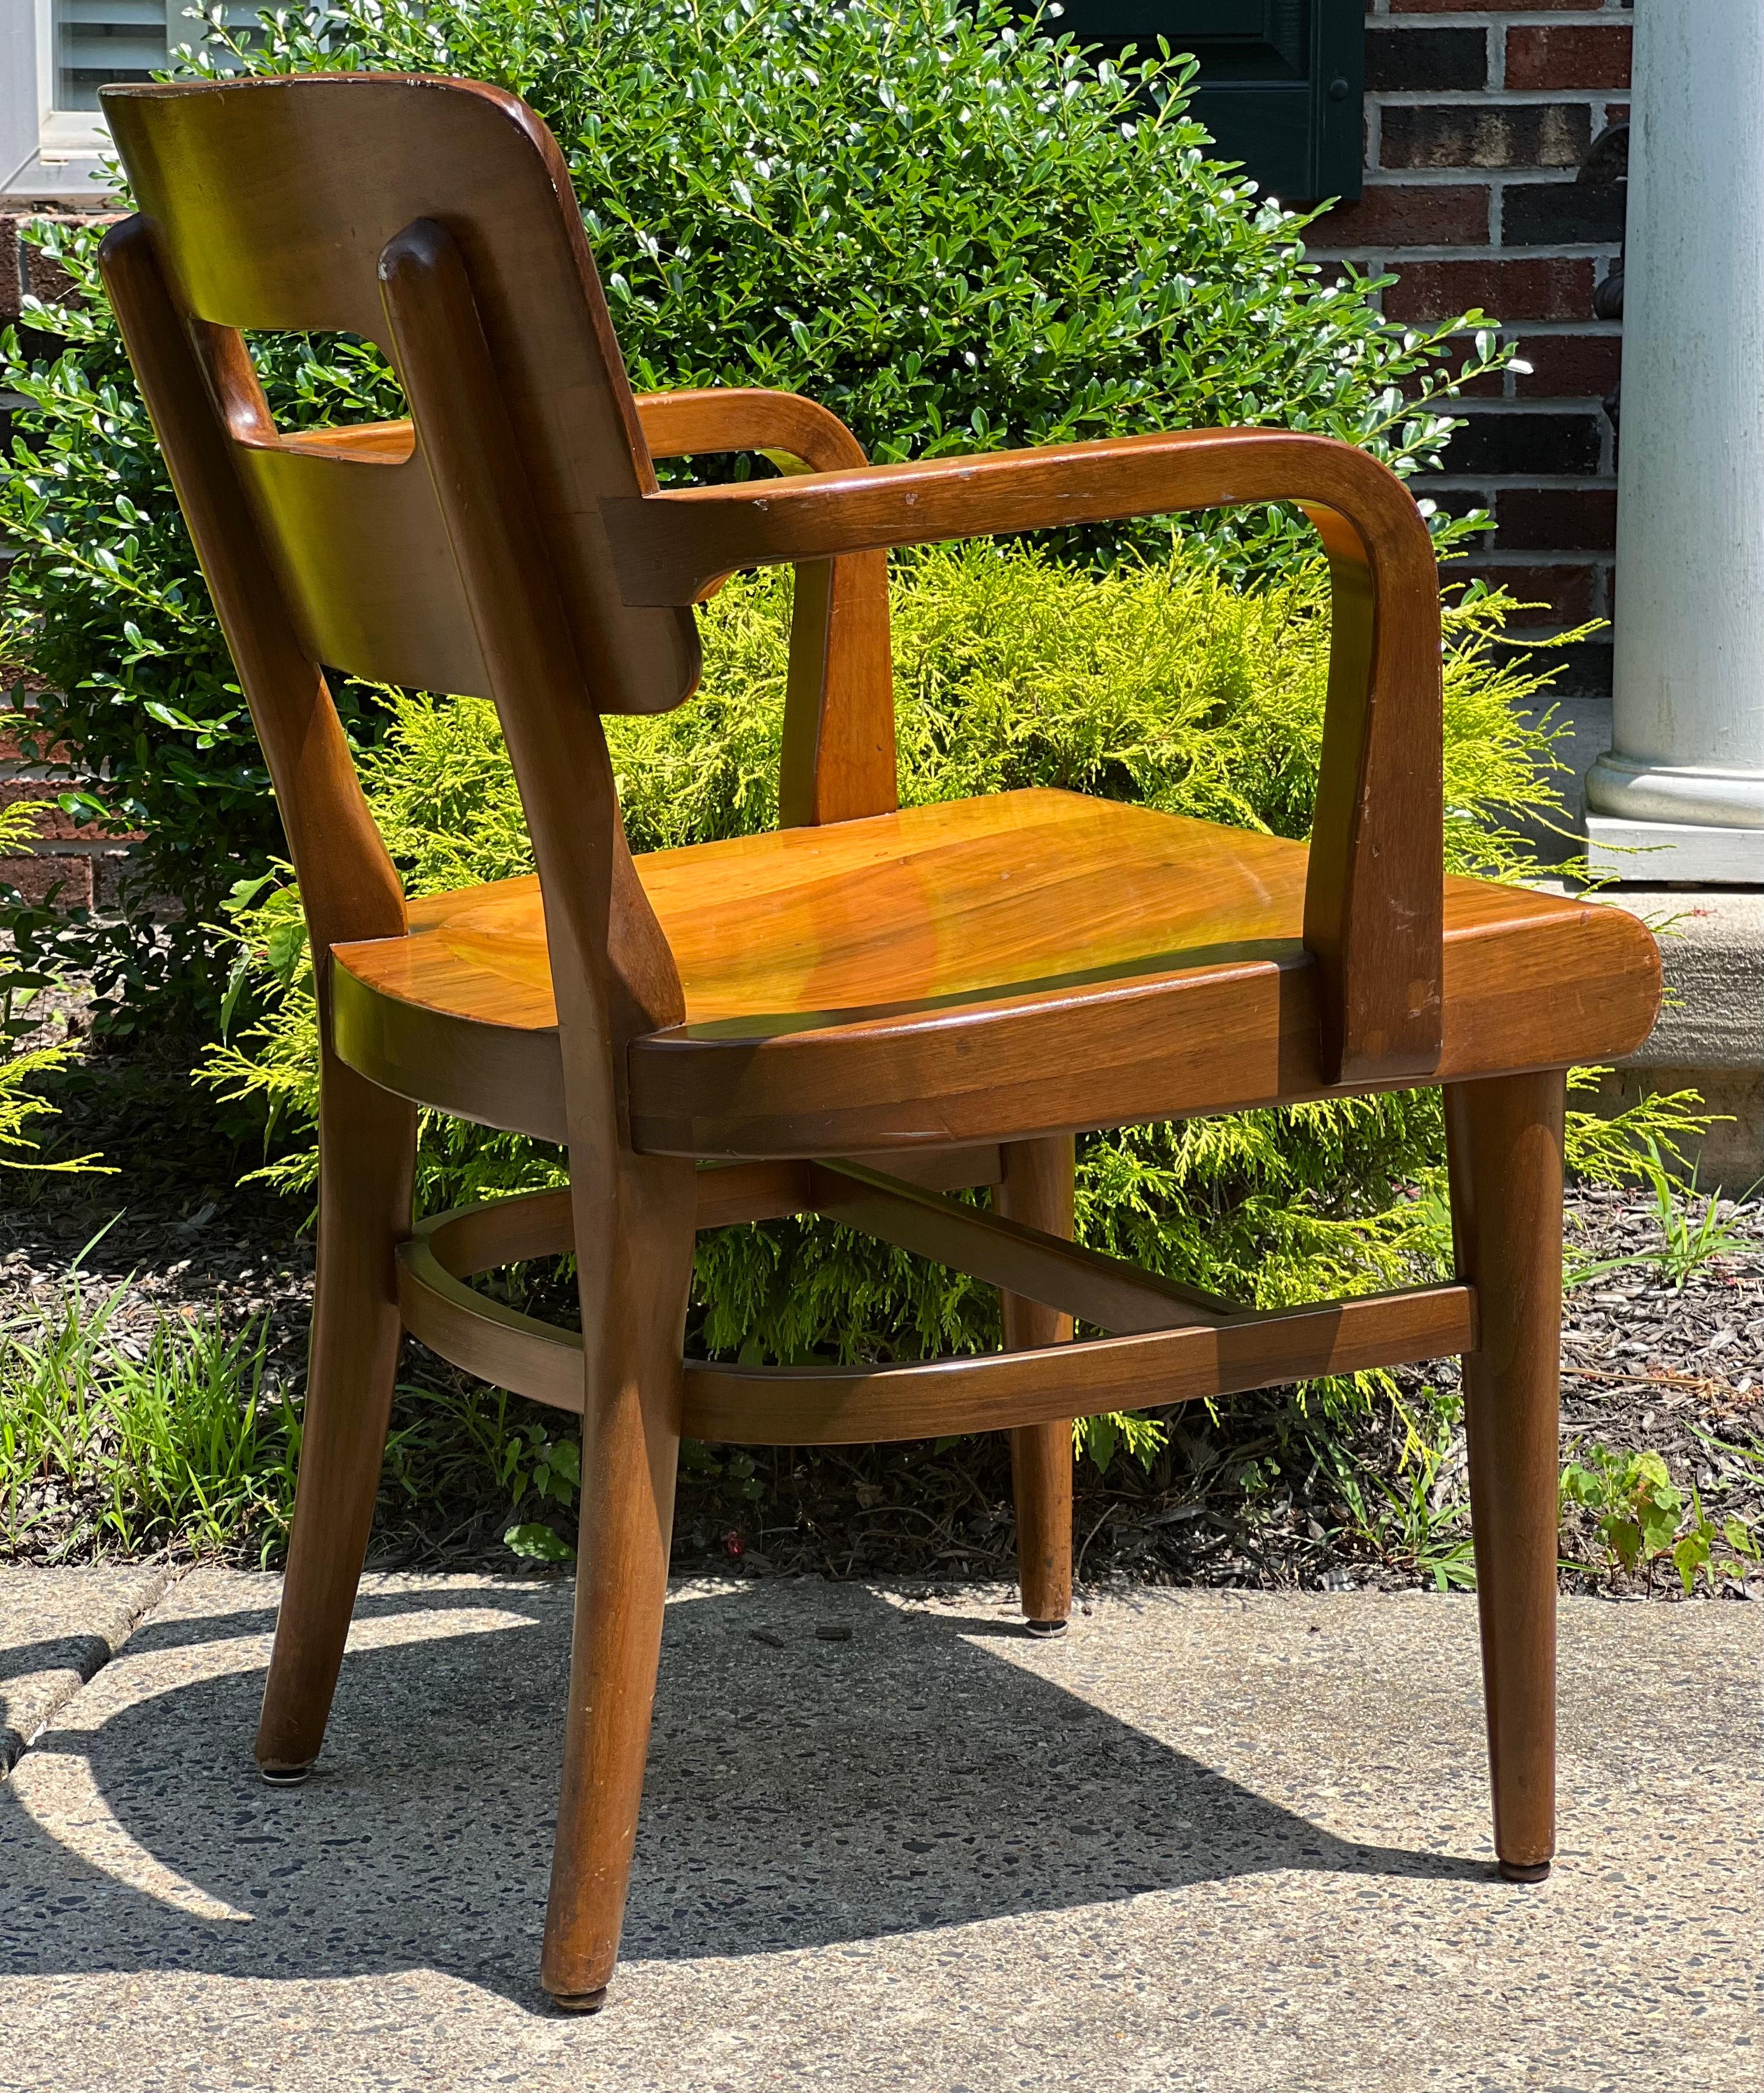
39, 1677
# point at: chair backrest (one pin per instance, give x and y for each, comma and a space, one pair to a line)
464, 551
272, 202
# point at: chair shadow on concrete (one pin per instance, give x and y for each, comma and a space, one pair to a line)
801, 1792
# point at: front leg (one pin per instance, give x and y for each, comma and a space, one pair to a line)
1504, 1140
635, 1267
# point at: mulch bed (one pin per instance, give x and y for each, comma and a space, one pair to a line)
1245, 1498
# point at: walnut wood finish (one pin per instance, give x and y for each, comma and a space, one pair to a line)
1504, 1138
613, 978
1026, 964
858, 1405
839, 754
348, 885
367, 1152
1021, 1257
267, 206
869, 986
1036, 1270
367, 1141
1036, 1191
1371, 919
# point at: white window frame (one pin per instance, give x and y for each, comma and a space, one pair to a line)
47, 155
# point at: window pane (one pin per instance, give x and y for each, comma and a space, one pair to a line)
98, 41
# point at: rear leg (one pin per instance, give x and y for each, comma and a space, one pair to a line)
367, 1143
1037, 1190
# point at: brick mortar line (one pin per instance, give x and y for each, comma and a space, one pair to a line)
1537, 636
1515, 17
78, 846
1579, 330
1519, 483
1398, 253
1530, 330
1489, 250
1567, 556
1538, 483
1494, 97
1550, 403
1468, 175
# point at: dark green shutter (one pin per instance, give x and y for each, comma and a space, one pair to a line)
1280, 85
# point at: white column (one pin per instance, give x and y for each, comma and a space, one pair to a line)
1687, 769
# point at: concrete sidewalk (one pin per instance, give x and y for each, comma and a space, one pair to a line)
1206, 1842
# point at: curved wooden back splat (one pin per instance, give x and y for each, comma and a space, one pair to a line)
271, 200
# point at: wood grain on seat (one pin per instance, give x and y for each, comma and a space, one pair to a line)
871, 958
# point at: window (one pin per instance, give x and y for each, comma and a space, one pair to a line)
100, 40
54, 56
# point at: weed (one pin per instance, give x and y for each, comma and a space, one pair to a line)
1416, 1519
1641, 1517
1686, 1245
109, 1441
115, 1443
551, 1470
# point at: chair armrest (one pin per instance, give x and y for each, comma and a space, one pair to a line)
798, 434
838, 758
1374, 895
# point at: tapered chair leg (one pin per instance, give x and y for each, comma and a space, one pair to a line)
367, 1141
1036, 1188
1504, 1140
633, 1322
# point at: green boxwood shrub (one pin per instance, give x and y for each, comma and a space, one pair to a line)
1159, 683
957, 231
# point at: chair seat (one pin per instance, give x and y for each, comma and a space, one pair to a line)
1029, 963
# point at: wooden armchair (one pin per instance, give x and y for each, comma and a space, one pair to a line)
854, 1015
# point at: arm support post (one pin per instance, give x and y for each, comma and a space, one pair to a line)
839, 760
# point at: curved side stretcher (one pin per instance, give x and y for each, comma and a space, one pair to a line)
1167, 1343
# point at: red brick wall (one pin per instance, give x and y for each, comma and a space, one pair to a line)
82, 864
81, 861
1478, 115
